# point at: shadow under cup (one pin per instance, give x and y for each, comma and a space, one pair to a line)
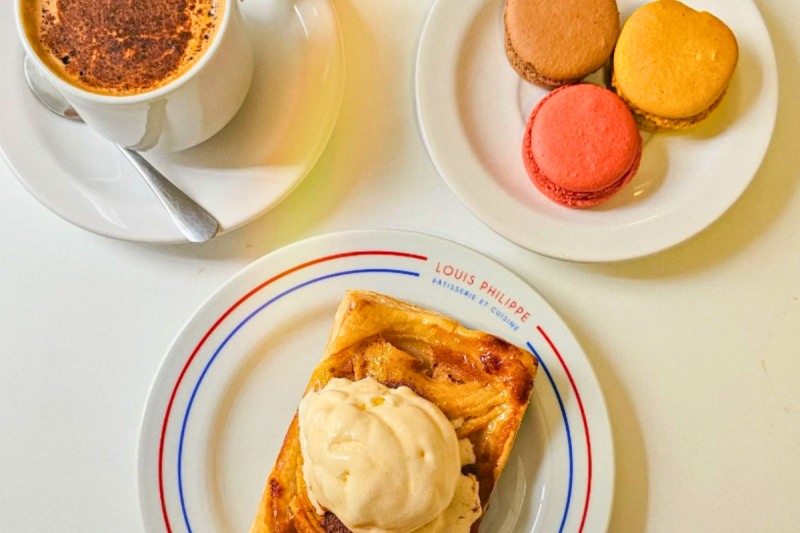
182, 113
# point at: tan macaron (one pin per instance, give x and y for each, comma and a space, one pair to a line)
559, 42
672, 65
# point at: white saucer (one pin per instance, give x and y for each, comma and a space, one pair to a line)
238, 175
473, 108
232, 379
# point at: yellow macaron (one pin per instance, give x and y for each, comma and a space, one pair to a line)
672, 65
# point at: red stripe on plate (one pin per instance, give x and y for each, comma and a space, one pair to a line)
214, 327
585, 425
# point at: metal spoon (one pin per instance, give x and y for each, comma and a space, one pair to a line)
195, 223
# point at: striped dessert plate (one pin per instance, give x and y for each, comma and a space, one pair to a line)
232, 379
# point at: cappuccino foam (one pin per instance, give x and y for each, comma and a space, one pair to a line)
121, 47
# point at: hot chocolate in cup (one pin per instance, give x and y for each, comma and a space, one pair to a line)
160, 75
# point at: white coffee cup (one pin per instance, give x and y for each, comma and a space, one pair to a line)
179, 115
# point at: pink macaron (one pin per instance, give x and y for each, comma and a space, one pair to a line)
581, 146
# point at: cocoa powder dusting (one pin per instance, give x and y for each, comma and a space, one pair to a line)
125, 46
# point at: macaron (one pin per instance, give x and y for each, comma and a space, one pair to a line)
552, 43
581, 146
673, 65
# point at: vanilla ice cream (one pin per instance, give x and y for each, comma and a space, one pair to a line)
384, 460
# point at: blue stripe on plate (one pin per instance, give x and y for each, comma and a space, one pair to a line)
230, 336
569, 435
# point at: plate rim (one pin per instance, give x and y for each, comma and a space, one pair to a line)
334, 111
151, 404
490, 221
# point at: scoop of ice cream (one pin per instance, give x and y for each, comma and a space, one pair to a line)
382, 460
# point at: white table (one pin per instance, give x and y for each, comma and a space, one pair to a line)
697, 348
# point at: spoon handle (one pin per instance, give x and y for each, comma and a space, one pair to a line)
195, 223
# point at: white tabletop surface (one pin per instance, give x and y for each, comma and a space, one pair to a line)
697, 348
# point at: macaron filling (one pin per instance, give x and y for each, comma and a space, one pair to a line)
580, 149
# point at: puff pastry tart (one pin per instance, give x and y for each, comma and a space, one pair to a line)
368, 453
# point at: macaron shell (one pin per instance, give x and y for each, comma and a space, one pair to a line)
585, 138
560, 195
674, 62
529, 73
655, 124
562, 39
571, 199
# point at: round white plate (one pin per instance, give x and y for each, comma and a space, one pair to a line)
473, 108
231, 382
238, 175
